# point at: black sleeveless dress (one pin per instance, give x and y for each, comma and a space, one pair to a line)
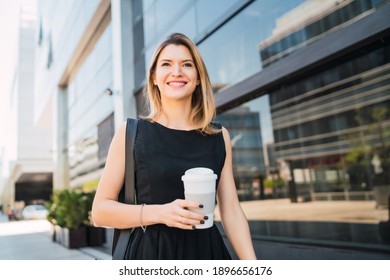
162, 155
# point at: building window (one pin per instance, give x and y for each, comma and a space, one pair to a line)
247, 128
40, 33
49, 52
106, 131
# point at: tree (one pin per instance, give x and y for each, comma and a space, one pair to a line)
381, 151
368, 160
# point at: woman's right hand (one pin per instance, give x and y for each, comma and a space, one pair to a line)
176, 214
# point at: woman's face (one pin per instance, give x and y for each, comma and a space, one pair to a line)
176, 75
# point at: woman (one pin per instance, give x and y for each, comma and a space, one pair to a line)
175, 136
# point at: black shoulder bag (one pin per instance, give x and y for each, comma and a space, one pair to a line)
127, 194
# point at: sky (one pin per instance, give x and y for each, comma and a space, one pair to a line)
9, 21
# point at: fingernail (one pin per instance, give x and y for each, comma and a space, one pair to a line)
193, 227
205, 217
200, 205
202, 222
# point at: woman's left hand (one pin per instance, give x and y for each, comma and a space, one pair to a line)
176, 214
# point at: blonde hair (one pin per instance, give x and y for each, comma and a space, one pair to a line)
203, 106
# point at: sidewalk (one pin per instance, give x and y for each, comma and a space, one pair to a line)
316, 230
31, 240
280, 230
362, 212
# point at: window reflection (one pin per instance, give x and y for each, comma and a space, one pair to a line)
249, 128
267, 31
307, 23
329, 151
304, 153
167, 10
185, 24
239, 41
149, 24
210, 12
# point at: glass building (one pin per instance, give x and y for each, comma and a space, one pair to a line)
25, 160
302, 86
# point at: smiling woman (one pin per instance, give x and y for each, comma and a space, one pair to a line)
177, 59
177, 135
176, 76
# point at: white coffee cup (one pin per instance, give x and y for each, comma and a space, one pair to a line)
200, 186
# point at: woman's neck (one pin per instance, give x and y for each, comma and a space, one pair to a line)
176, 115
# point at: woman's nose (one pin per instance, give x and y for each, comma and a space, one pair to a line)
176, 70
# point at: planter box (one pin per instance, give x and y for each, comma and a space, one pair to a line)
53, 233
71, 238
382, 194
96, 236
384, 231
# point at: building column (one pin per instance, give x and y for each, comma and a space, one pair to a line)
122, 60
60, 143
8, 196
292, 186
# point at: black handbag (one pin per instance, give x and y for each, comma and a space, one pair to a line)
127, 194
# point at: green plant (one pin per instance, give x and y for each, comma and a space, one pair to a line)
276, 183
50, 206
369, 147
68, 208
89, 196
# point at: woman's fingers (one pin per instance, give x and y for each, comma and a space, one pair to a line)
185, 223
185, 210
186, 219
191, 220
189, 204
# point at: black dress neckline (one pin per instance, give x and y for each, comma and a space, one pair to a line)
173, 129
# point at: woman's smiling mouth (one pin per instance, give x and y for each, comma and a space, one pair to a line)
177, 84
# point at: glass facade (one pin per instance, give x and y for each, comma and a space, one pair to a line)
321, 138
333, 130
239, 40
248, 157
323, 19
90, 118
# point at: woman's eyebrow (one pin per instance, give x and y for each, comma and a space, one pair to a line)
170, 60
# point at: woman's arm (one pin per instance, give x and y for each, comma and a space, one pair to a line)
233, 218
108, 212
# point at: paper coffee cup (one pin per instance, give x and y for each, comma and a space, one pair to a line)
199, 186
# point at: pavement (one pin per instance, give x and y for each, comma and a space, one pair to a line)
32, 240
362, 212
277, 227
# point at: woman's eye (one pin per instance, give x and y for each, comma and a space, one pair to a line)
165, 64
188, 65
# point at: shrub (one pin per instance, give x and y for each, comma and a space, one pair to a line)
69, 208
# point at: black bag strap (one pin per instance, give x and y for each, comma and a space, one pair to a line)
131, 131
122, 236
